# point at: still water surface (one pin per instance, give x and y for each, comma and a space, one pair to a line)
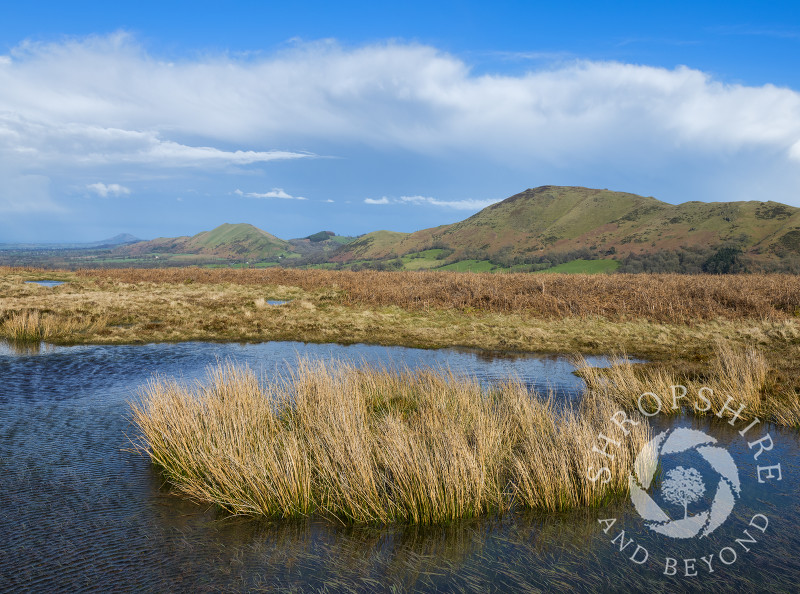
45, 283
80, 513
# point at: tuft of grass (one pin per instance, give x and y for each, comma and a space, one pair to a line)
32, 326
550, 465
734, 376
374, 445
25, 326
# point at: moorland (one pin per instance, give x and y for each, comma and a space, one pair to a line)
737, 334
377, 445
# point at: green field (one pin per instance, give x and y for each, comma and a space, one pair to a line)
584, 267
424, 259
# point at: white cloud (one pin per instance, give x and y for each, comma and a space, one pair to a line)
107, 102
794, 152
172, 153
468, 204
43, 144
273, 193
409, 95
104, 191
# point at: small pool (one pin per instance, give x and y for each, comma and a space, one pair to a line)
45, 283
80, 508
276, 302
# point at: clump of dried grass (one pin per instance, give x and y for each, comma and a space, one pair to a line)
734, 377
372, 445
556, 453
24, 327
34, 326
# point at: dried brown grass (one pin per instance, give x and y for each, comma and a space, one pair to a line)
35, 326
370, 445
670, 298
732, 378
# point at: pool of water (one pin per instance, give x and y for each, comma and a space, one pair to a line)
81, 512
45, 283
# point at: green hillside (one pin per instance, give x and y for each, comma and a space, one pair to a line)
240, 240
550, 227
375, 245
227, 241
554, 219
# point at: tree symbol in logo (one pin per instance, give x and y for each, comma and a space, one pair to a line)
684, 486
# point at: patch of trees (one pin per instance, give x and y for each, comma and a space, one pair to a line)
727, 259
321, 236
690, 260
395, 264
532, 263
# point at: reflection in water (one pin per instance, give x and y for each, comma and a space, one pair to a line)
82, 512
23, 348
45, 283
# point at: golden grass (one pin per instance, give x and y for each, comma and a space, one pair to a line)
732, 378
665, 298
33, 326
370, 445
172, 310
24, 327
642, 316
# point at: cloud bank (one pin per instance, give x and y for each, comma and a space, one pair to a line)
104, 191
105, 105
273, 193
408, 95
468, 204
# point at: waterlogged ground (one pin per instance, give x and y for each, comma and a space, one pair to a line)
79, 512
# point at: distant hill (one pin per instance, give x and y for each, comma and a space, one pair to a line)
317, 247
550, 228
227, 241
375, 245
121, 239
321, 236
553, 219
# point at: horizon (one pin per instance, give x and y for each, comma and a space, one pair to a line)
162, 121
306, 235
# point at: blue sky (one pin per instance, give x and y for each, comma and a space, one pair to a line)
170, 118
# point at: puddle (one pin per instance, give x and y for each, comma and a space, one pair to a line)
45, 283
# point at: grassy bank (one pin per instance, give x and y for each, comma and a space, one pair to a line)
734, 384
674, 321
371, 445
665, 298
377, 446
658, 317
